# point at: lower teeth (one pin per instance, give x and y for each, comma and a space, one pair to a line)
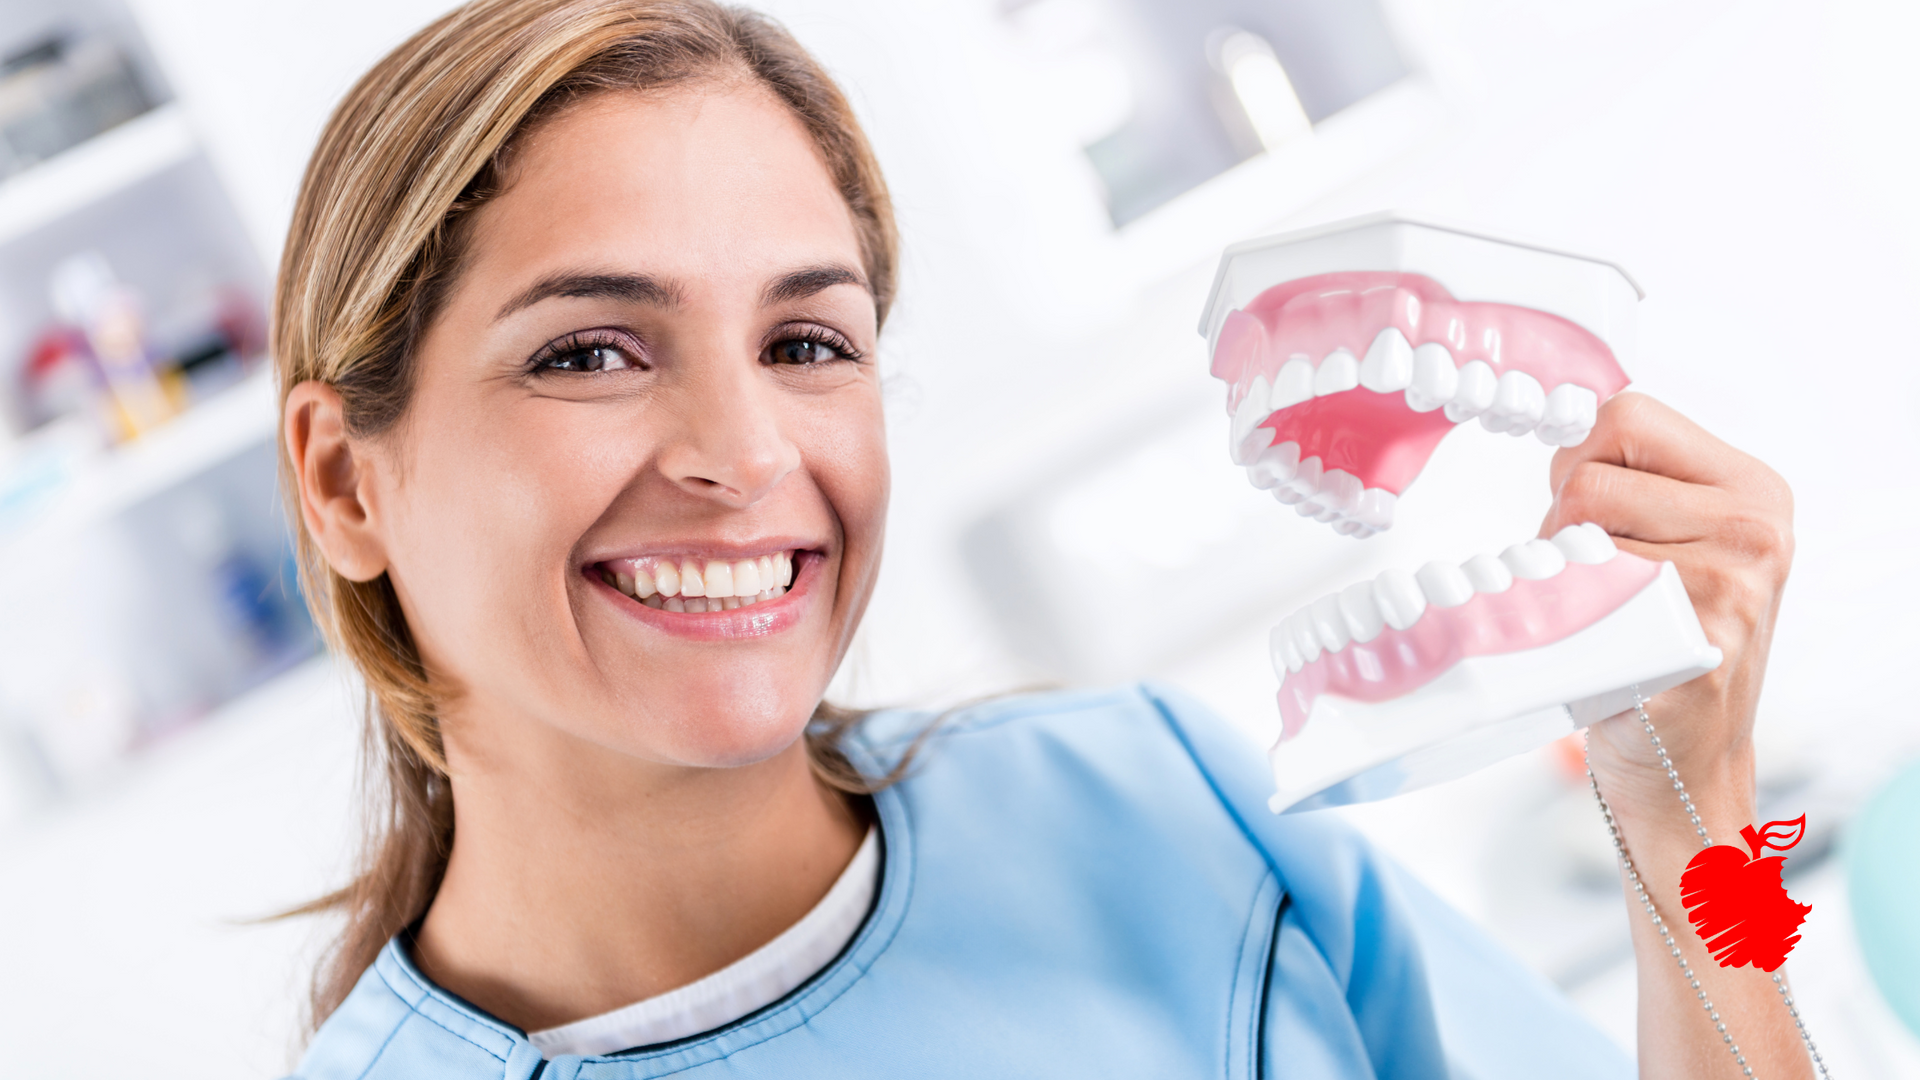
696, 605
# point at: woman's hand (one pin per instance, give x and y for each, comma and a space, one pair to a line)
1667, 490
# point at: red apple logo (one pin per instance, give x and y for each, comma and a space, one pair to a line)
1737, 903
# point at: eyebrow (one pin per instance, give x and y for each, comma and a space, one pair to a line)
800, 284
633, 288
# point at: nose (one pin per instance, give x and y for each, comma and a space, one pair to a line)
729, 445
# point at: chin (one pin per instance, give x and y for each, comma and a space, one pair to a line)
730, 730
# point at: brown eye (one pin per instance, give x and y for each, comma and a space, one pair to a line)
804, 351
591, 358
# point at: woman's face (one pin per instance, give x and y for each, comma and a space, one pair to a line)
656, 365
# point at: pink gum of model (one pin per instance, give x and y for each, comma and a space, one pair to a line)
1374, 436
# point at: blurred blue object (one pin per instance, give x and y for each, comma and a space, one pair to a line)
1883, 879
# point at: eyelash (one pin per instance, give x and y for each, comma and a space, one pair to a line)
575, 344
549, 358
814, 335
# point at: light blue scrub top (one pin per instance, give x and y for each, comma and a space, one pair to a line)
1077, 884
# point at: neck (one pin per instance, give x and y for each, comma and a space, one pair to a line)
583, 881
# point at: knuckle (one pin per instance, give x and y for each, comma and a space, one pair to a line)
1585, 487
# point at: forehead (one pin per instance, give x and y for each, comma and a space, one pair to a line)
705, 182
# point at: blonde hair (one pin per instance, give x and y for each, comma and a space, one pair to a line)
376, 242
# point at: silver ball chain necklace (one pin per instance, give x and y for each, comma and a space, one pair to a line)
1660, 924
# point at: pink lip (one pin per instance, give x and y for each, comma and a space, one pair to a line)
763, 619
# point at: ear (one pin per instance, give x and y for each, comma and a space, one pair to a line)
335, 481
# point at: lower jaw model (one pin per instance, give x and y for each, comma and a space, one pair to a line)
1414, 678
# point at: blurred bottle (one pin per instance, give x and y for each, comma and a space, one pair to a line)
86, 294
59, 378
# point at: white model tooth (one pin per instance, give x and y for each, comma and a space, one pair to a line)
1348, 527
1518, 402
1573, 437
1571, 407
1245, 450
746, 577
719, 578
1473, 391
769, 572
1339, 494
1338, 372
1285, 654
1293, 384
667, 576
1329, 623
1253, 409
1304, 484
1435, 379
1389, 363
674, 603
1300, 626
1535, 560
1375, 510
783, 569
1400, 599
691, 582
1445, 585
1275, 465
1587, 543
1357, 606
643, 585
1487, 574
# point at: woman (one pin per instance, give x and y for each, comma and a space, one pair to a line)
576, 324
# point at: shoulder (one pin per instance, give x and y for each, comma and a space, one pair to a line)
1145, 754
396, 1024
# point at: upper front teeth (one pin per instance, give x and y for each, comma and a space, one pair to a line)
751, 580
1389, 363
1514, 402
1362, 611
1338, 372
1435, 379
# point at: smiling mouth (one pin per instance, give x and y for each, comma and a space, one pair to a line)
694, 584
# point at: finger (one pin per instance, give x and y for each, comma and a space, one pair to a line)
1636, 505
1638, 432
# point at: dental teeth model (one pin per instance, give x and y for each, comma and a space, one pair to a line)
1350, 351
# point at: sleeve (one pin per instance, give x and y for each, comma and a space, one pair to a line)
1371, 967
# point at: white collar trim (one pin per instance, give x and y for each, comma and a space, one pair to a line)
755, 981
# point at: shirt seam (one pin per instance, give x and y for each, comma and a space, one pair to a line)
1226, 804
414, 1008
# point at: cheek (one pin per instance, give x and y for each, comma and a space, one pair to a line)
851, 466
489, 515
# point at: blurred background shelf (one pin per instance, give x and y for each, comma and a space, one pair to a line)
145, 569
72, 489
84, 174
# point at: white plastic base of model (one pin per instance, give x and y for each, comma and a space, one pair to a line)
1487, 708
1469, 263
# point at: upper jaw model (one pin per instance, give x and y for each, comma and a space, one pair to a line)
1349, 352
